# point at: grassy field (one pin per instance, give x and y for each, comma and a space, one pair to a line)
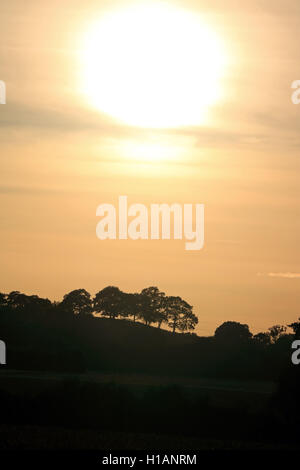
235, 401
229, 393
49, 438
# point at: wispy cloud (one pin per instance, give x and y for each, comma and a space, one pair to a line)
287, 275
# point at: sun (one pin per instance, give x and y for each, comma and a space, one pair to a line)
153, 66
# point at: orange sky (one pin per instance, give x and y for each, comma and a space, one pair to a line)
61, 158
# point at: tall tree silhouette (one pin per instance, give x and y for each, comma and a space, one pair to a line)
179, 314
131, 305
187, 321
77, 302
152, 305
109, 302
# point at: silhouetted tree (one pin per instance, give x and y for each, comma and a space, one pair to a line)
131, 305
295, 327
109, 302
3, 303
77, 302
276, 332
187, 322
262, 338
179, 314
27, 303
3, 299
152, 306
16, 300
233, 332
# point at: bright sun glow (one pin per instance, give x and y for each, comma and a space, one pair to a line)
150, 151
152, 66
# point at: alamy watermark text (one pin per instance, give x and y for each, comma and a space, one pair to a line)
2, 353
154, 223
2, 92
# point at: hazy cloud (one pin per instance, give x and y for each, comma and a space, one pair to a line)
287, 275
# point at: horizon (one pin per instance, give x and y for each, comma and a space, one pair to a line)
197, 330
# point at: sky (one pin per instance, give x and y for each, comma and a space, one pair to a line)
60, 157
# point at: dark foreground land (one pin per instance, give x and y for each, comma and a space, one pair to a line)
54, 438
82, 382
99, 411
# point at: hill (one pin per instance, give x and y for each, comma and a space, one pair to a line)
84, 342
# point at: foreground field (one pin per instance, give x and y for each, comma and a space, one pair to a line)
52, 438
229, 393
47, 410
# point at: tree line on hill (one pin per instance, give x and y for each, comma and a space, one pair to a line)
151, 306
81, 333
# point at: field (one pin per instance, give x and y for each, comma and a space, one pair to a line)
228, 395
252, 394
